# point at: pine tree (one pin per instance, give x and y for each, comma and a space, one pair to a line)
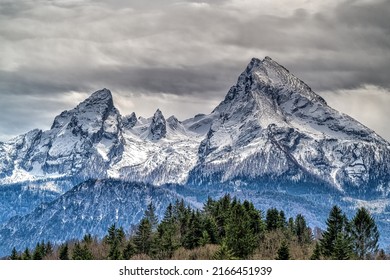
205, 239
221, 213
195, 232
14, 255
87, 238
240, 237
115, 239
150, 214
224, 253
26, 255
337, 224
302, 231
342, 248
168, 238
64, 252
316, 253
364, 233
143, 237
272, 219
283, 252
282, 223
211, 228
129, 251
39, 251
77, 252
81, 252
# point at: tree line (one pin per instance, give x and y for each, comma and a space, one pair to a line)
224, 229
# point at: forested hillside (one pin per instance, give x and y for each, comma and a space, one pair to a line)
225, 229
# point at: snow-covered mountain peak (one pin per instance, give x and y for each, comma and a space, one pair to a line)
98, 101
269, 78
129, 121
158, 127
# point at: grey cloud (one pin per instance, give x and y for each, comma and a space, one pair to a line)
147, 48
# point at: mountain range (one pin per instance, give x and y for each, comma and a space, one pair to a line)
271, 140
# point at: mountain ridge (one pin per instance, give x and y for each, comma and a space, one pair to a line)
270, 134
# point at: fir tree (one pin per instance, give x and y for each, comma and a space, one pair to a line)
342, 248
14, 255
26, 254
205, 239
240, 237
316, 253
194, 233
337, 224
364, 233
143, 237
115, 239
39, 251
211, 228
224, 253
150, 214
81, 252
129, 251
87, 238
302, 231
168, 238
64, 252
272, 219
283, 252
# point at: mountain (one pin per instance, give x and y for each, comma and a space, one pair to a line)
272, 126
271, 140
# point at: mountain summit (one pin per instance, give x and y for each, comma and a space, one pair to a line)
272, 127
271, 139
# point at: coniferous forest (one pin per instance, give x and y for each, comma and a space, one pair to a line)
225, 229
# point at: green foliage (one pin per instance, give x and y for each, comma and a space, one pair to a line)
143, 237
342, 248
241, 235
14, 255
39, 252
26, 254
275, 219
337, 228
224, 253
129, 251
364, 233
316, 253
194, 233
302, 231
64, 252
283, 252
237, 229
87, 238
150, 214
115, 239
81, 252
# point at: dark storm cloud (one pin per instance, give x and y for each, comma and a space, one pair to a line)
199, 80
182, 48
345, 47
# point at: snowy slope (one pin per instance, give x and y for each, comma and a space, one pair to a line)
272, 125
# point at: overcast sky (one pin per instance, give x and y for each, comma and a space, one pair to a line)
182, 56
